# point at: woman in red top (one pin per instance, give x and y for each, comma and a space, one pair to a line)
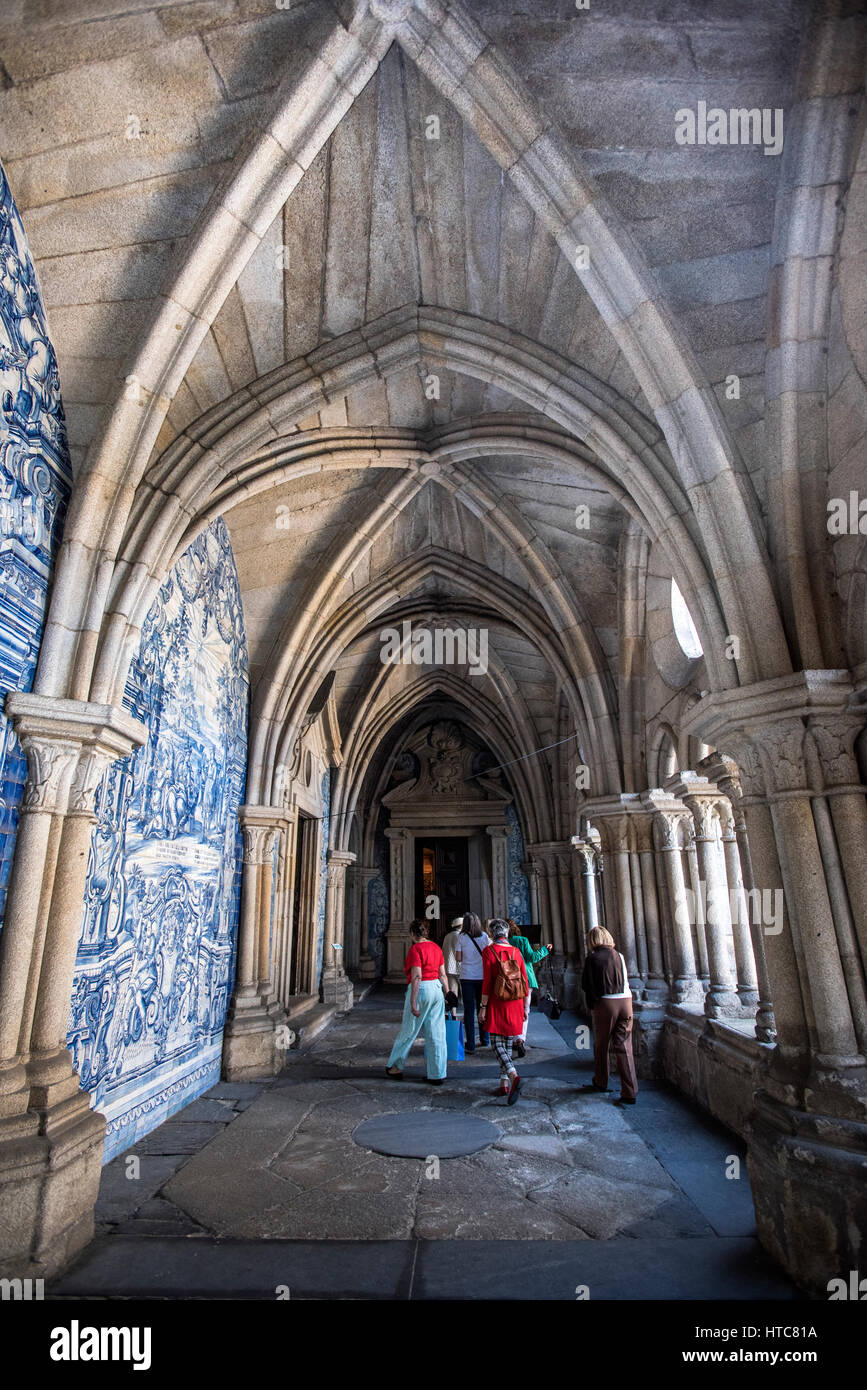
503, 1018
424, 1007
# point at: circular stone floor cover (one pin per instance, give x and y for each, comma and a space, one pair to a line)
421, 1133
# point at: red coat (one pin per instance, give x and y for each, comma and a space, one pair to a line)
504, 1016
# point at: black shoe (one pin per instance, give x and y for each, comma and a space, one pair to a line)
468, 1049
393, 1075
591, 1088
434, 1080
623, 1100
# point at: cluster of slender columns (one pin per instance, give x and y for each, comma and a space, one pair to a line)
249, 1046
50, 1139
678, 898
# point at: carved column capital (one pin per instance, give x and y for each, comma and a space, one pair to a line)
337, 862
667, 827
834, 741
50, 768
68, 745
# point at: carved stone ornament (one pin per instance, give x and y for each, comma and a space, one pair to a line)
781, 749
48, 764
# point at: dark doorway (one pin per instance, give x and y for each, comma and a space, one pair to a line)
441, 868
297, 980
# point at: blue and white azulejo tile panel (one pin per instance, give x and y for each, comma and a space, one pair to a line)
156, 957
35, 481
519, 888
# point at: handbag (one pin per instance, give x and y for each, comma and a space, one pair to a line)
548, 1001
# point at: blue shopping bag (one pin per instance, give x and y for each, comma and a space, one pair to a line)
454, 1040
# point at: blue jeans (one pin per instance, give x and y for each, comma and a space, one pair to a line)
471, 992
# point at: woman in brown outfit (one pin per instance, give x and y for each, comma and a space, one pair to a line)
606, 989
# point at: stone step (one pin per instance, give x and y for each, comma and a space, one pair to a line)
313, 1022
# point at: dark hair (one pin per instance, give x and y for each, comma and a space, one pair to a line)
472, 925
420, 928
514, 929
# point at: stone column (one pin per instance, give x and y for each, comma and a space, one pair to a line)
657, 986
742, 871
840, 813
336, 984
570, 977
265, 924
807, 1135
499, 869
834, 739
616, 844
701, 797
698, 891
50, 1140
250, 1036
366, 963
401, 873
686, 987
588, 881
745, 963
50, 767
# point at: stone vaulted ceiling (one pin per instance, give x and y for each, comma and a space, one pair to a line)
119, 123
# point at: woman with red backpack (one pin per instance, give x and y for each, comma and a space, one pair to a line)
505, 1002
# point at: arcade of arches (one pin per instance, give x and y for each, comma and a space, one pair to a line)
438, 512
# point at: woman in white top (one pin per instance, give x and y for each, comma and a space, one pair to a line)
451, 941
471, 942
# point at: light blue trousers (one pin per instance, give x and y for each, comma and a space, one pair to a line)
431, 1021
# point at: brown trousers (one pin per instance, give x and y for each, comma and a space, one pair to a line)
612, 1023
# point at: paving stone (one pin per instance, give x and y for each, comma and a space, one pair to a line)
178, 1137
204, 1268
538, 1146
236, 1090
120, 1195
599, 1205
207, 1109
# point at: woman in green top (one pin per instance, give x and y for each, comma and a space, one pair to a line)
531, 958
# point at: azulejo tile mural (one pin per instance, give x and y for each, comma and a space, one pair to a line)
519, 888
378, 910
156, 956
35, 480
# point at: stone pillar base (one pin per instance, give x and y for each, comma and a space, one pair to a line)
49, 1183
250, 1045
337, 990
688, 994
572, 996
366, 967
807, 1174
648, 1022
397, 943
719, 1003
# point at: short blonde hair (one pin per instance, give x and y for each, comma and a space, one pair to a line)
599, 936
